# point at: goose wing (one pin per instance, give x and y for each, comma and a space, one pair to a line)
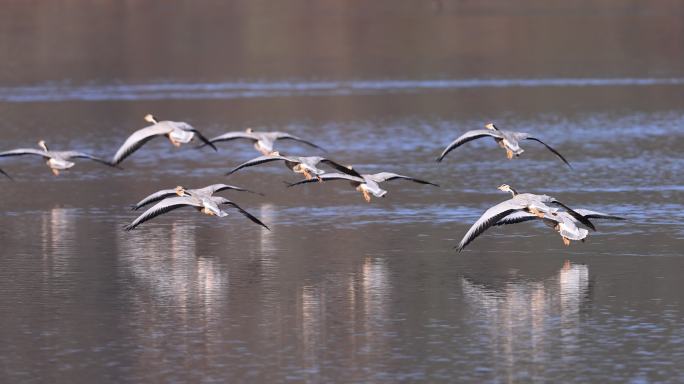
153, 198
257, 161
579, 217
223, 200
339, 167
138, 139
6, 175
589, 214
550, 149
330, 176
466, 137
81, 155
222, 187
516, 217
25, 151
233, 136
387, 176
489, 218
200, 136
162, 207
287, 136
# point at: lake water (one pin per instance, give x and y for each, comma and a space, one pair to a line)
340, 290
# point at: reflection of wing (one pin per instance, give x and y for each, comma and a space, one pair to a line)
489, 218
162, 207
466, 137
138, 138
287, 136
550, 149
153, 198
25, 151
589, 214
341, 168
387, 176
330, 176
81, 155
223, 200
257, 161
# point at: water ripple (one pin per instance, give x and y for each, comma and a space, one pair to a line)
257, 89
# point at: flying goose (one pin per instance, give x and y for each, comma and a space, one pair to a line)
263, 141
208, 205
368, 183
508, 140
306, 165
561, 221
540, 206
56, 160
207, 191
177, 132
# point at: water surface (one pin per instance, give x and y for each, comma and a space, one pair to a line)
342, 290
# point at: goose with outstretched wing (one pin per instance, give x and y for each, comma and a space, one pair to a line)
306, 165
561, 221
508, 140
367, 184
176, 131
540, 206
56, 160
207, 191
263, 141
207, 205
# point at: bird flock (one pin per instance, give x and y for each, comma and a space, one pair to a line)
521, 207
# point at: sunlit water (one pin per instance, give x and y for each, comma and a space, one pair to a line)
342, 290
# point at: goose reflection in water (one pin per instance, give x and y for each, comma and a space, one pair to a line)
528, 321
164, 266
58, 240
364, 299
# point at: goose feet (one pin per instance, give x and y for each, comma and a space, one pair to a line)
366, 196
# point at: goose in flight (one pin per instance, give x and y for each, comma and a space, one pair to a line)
306, 165
56, 160
561, 221
368, 184
207, 191
209, 205
263, 141
508, 140
540, 206
177, 132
